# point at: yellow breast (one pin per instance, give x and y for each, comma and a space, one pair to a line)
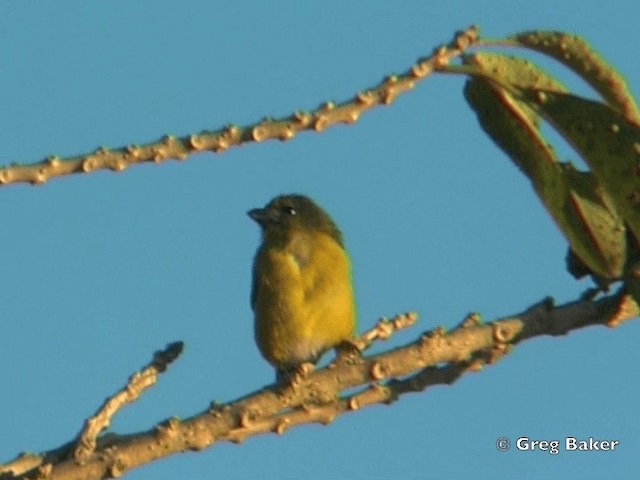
304, 299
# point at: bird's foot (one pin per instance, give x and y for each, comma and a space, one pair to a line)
347, 352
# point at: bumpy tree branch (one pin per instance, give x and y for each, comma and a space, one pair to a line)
327, 115
436, 357
138, 383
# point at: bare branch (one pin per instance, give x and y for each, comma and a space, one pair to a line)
138, 382
327, 115
384, 329
436, 357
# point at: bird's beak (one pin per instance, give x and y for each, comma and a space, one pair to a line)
263, 216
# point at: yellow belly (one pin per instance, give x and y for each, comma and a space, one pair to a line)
304, 299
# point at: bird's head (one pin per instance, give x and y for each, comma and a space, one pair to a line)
286, 214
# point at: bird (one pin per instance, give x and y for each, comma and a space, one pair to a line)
301, 294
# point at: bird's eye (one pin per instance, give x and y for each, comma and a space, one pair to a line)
289, 210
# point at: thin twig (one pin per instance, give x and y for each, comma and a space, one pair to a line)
217, 141
138, 382
383, 329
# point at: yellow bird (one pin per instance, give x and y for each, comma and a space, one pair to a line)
301, 293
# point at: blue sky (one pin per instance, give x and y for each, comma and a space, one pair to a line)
101, 270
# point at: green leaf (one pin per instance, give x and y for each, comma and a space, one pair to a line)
607, 141
580, 207
575, 53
